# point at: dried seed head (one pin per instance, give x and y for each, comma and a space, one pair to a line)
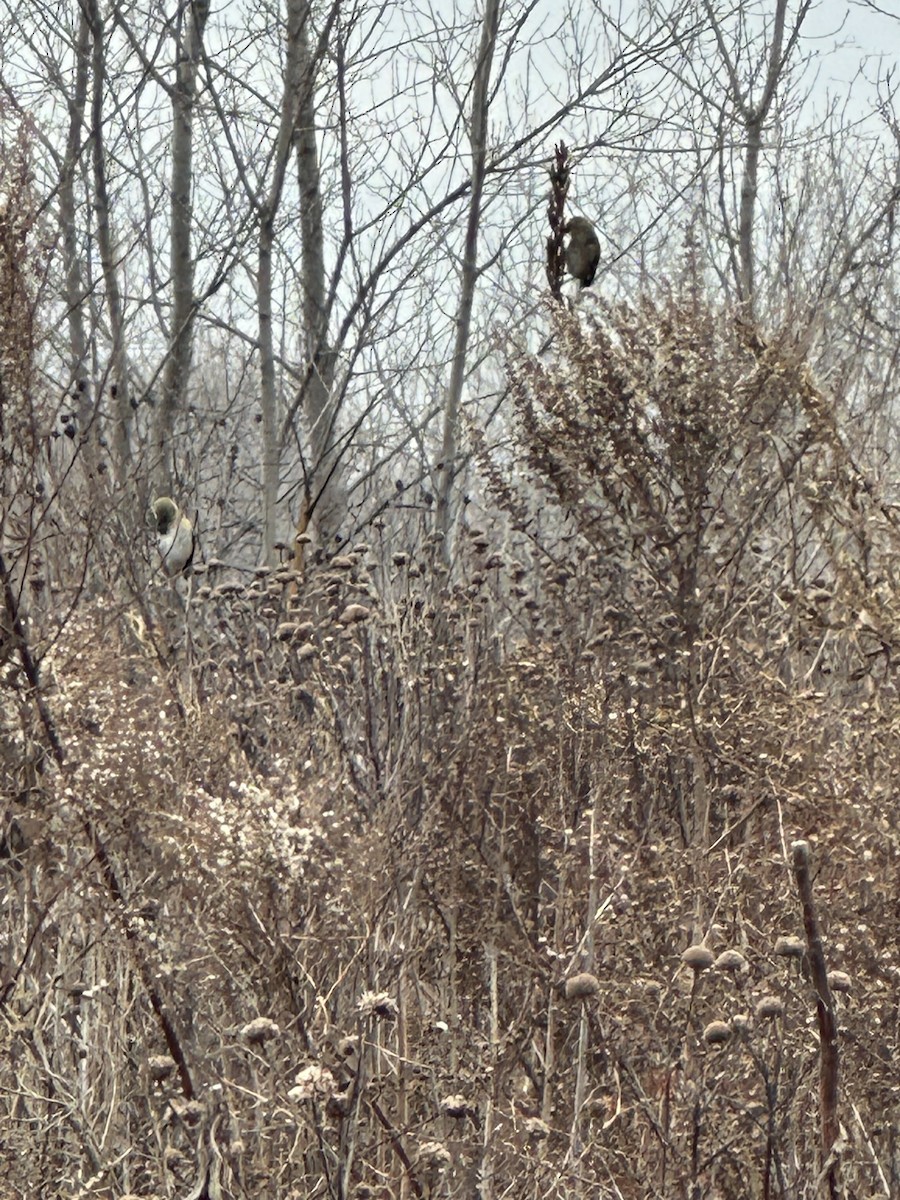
717, 1033
730, 960
434, 1156
579, 987
353, 613
456, 1106
312, 1081
259, 1030
377, 1004
536, 1128
769, 1007
698, 958
839, 981
790, 947
160, 1067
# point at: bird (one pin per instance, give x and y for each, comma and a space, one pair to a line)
175, 535
583, 250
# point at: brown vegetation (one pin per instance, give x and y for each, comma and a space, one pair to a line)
373, 881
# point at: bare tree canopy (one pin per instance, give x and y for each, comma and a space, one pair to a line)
449, 608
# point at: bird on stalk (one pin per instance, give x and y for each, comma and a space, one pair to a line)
582, 250
174, 536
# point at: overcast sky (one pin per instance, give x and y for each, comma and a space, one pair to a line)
858, 31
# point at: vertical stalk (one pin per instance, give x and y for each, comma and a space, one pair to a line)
324, 490
122, 421
552, 1006
448, 465
189, 43
827, 1022
297, 11
753, 117
575, 1144
487, 1158
75, 290
402, 1066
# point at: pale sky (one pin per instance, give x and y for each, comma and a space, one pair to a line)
858, 32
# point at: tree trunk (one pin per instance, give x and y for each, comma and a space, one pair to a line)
325, 500
178, 363
122, 412
448, 465
75, 289
753, 117
271, 457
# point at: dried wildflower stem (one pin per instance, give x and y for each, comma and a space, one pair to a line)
556, 217
402, 1063
157, 1003
354, 1121
575, 1142
828, 1048
487, 1161
453, 976
397, 1144
865, 1133
552, 1006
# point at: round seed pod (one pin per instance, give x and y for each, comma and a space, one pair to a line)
258, 1031
730, 960
769, 1007
354, 613
698, 958
839, 981
717, 1033
161, 1067
455, 1106
579, 987
790, 947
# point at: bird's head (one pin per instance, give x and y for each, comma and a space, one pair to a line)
164, 514
578, 225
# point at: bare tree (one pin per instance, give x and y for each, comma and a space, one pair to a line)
322, 492
117, 378
191, 19
72, 232
753, 113
478, 133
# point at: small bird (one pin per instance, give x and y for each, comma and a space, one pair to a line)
175, 535
583, 250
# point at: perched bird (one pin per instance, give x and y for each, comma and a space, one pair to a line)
583, 250
175, 535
